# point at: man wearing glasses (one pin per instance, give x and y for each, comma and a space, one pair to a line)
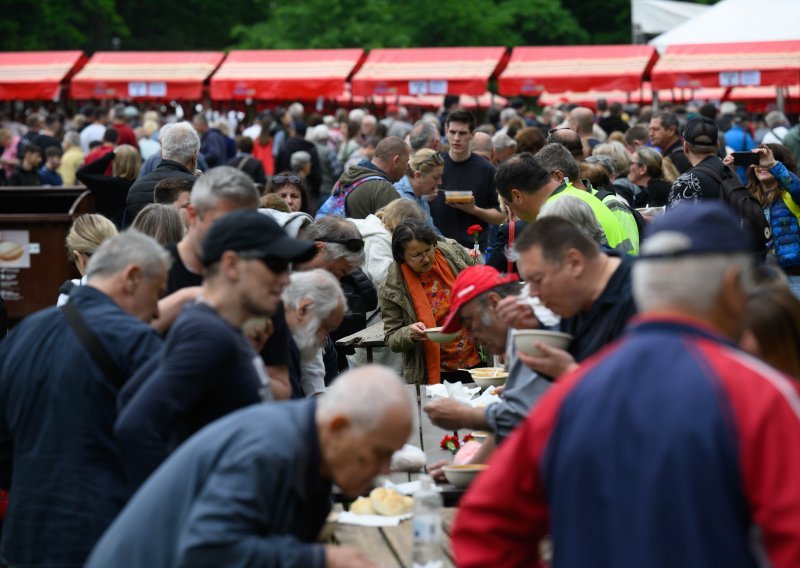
208, 368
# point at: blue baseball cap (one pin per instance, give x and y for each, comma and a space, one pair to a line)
707, 227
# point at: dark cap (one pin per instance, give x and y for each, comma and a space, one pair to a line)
707, 227
701, 131
254, 232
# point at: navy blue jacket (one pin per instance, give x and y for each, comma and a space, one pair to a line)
244, 491
207, 370
58, 456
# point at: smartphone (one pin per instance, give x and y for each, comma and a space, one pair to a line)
745, 158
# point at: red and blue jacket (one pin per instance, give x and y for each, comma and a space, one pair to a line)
669, 448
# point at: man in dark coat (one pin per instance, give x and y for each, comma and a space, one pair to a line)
254, 488
298, 143
59, 460
180, 146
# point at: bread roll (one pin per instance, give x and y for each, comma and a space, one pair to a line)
408, 504
387, 502
362, 506
10, 250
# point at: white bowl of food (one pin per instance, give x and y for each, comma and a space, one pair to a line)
435, 334
462, 475
526, 340
486, 377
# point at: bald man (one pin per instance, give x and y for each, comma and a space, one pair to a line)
367, 186
581, 120
482, 145
253, 489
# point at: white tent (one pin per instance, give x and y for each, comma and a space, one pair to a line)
657, 16
732, 21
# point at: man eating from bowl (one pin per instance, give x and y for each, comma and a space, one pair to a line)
476, 293
589, 289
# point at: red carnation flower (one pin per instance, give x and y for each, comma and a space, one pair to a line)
474, 229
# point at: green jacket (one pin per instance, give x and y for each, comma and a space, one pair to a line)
397, 310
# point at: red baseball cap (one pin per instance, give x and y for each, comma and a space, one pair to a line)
471, 283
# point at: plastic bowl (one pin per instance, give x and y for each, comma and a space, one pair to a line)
486, 377
526, 339
435, 334
462, 475
458, 197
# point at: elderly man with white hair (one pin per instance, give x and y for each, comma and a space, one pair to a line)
504, 147
671, 436
315, 305
180, 147
254, 489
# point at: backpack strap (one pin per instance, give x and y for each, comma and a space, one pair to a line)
242, 162
93, 345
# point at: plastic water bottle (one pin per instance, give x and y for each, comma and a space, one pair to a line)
427, 525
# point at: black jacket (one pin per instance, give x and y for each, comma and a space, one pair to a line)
140, 195
497, 256
109, 192
284, 160
251, 166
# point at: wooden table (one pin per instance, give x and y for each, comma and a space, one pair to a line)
367, 338
391, 547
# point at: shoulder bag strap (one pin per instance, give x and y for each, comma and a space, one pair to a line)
93, 345
512, 226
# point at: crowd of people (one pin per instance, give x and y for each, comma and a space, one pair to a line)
185, 403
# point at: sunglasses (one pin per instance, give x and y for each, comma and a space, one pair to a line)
275, 265
353, 245
278, 180
554, 130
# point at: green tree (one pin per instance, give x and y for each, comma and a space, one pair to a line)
186, 25
381, 23
59, 24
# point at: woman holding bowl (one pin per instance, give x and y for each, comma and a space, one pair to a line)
415, 296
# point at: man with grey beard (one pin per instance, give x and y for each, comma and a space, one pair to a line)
315, 305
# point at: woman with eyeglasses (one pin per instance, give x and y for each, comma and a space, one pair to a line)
774, 183
291, 188
421, 183
415, 296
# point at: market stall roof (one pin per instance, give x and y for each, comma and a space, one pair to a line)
429, 102
428, 71
753, 97
145, 75
532, 70
753, 64
36, 75
284, 74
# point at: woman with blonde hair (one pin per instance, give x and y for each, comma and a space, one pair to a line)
85, 236
111, 192
160, 221
654, 174
421, 183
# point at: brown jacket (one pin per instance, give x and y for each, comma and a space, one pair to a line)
397, 310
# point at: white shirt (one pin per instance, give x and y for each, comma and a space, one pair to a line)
91, 133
